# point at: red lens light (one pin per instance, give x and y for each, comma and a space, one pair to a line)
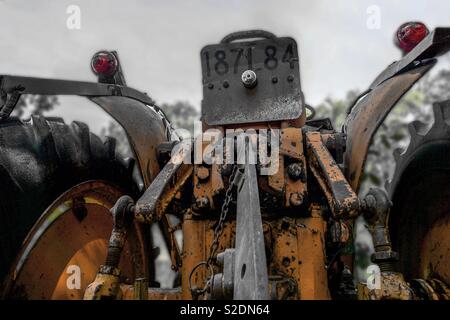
104, 63
410, 34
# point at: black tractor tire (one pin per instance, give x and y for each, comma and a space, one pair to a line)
39, 160
420, 192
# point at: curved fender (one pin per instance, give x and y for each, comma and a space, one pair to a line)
368, 114
144, 127
371, 110
143, 122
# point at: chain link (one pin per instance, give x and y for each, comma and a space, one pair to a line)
218, 230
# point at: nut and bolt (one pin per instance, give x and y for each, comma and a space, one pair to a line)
385, 259
201, 203
295, 171
290, 78
249, 79
202, 173
296, 199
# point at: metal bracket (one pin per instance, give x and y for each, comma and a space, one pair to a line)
376, 207
343, 201
155, 200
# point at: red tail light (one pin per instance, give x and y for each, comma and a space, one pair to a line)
410, 34
104, 63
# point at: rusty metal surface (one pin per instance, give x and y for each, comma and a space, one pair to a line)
298, 253
152, 205
291, 146
194, 250
106, 285
376, 207
59, 240
208, 188
155, 200
367, 116
198, 234
128, 293
335, 143
280, 254
144, 127
341, 198
277, 95
295, 249
277, 181
122, 214
312, 257
284, 259
392, 287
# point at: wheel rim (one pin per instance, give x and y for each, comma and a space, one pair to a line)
68, 243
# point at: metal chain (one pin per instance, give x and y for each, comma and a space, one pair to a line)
218, 230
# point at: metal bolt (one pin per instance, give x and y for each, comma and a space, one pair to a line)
249, 79
274, 80
201, 202
210, 86
290, 78
295, 171
226, 84
203, 173
286, 261
295, 199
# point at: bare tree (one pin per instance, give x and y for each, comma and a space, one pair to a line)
34, 104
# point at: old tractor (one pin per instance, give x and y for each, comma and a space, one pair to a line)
264, 195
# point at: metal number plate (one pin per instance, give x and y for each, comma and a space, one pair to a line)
277, 94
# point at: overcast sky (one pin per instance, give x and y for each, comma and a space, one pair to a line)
159, 41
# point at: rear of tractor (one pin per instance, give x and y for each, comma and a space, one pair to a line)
265, 196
